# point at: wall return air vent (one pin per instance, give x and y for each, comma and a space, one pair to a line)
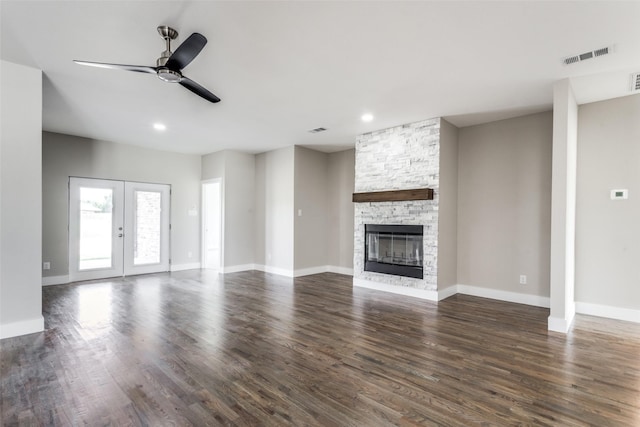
587, 55
316, 130
635, 82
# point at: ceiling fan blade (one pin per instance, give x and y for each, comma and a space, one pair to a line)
136, 68
198, 90
185, 53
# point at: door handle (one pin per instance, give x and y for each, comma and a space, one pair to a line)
120, 235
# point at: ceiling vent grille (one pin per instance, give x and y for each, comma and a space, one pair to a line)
316, 130
635, 82
600, 52
587, 55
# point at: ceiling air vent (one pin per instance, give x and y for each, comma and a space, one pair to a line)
316, 130
587, 55
635, 82
600, 52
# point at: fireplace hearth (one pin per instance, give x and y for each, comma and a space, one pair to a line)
394, 249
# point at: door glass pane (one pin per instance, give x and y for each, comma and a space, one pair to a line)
147, 227
96, 217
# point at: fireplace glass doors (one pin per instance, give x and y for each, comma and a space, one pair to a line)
394, 249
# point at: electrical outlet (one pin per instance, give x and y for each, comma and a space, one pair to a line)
189, 254
523, 279
46, 266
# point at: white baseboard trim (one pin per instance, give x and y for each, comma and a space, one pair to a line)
311, 270
559, 324
274, 270
340, 270
323, 269
182, 267
447, 292
441, 294
55, 280
518, 298
289, 273
402, 290
599, 310
22, 327
238, 268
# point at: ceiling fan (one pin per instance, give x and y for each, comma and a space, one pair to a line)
170, 64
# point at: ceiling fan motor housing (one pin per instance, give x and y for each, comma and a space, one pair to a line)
168, 75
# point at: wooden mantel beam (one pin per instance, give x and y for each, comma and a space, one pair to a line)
394, 195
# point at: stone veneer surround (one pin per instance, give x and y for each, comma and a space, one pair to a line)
399, 158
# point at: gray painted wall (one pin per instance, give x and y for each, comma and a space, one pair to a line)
608, 231
237, 172
20, 200
239, 195
310, 199
213, 165
448, 206
260, 187
66, 155
504, 204
340, 183
285, 181
274, 209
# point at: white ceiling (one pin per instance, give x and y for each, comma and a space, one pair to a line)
283, 68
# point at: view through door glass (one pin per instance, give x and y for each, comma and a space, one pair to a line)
148, 218
96, 223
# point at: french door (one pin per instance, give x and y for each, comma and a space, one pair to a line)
117, 228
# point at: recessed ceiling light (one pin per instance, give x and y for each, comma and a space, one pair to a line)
367, 117
160, 127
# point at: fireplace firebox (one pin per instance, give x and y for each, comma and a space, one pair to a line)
394, 249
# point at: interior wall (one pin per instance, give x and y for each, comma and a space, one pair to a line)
340, 188
448, 207
274, 210
259, 212
311, 208
239, 200
504, 204
213, 165
20, 200
608, 231
66, 155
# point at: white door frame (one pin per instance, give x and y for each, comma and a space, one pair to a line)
130, 189
117, 232
203, 240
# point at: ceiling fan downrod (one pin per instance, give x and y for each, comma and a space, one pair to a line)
164, 73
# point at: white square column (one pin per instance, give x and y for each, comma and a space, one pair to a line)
563, 207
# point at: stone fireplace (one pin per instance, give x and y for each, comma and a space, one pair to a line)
400, 158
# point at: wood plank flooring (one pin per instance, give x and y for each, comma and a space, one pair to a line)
245, 349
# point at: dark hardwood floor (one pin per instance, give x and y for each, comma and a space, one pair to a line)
195, 348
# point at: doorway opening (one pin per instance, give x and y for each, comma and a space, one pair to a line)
212, 238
